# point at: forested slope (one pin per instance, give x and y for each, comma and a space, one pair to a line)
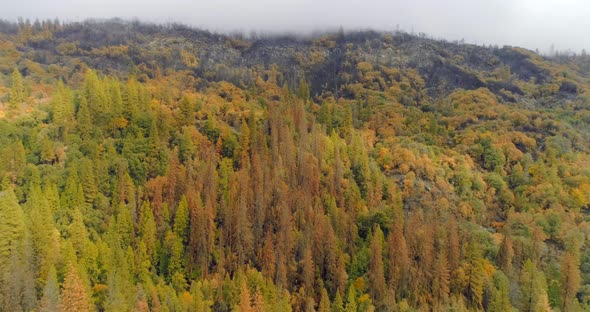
163, 168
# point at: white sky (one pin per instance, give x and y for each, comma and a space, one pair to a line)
528, 23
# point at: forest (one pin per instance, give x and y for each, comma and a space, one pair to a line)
160, 168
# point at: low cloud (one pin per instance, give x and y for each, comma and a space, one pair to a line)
533, 24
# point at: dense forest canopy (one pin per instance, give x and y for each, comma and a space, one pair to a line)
163, 168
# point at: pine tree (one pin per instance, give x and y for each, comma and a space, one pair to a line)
570, 281
83, 118
73, 297
141, 305
245, 304
201, 304
95, 96
324, 305
473, 267
181, 220
187, 116
17, 282
115, 97
124, 226
533, 288
88, 180
505, 255
17, 90
12, 225
50, 299
303, 90
441, 283
376, 271
45, 237
131, 99
258, 302
399, 262
244, 148
308, 270
500, 298
62, 109
338, 305
78, 233
351, 305
147, 229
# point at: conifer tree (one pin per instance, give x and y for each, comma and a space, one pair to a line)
258, 302
475, 274
338, 305
50, 298
351, 304
186, 112
12, 225
78, 233
17, 90
181, 221
73, 296
500, 298
45, 237
399, 262
83, 118
324, 305
62, 110
245, 304
533, 288
147, 229
376, 271
570, 280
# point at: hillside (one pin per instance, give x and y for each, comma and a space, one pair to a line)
163, 168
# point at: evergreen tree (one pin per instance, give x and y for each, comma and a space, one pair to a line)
533, 289
17, 90
147, 229
258, 302
570, 281
83, 118
324, 305
376, 271
50, 299
181, 221
73, 296
45, 237
475, 274
303, 90
62, 110
245, 300
187, 114
351, 304
12, 225
500, 298
78, 233
338, 305
399, 262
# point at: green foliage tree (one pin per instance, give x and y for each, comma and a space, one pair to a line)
351, 304
181, 221
376, 270
147, 229
17, 90
500, 293
12, 225
533, 289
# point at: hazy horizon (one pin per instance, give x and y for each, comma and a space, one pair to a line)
526, 23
